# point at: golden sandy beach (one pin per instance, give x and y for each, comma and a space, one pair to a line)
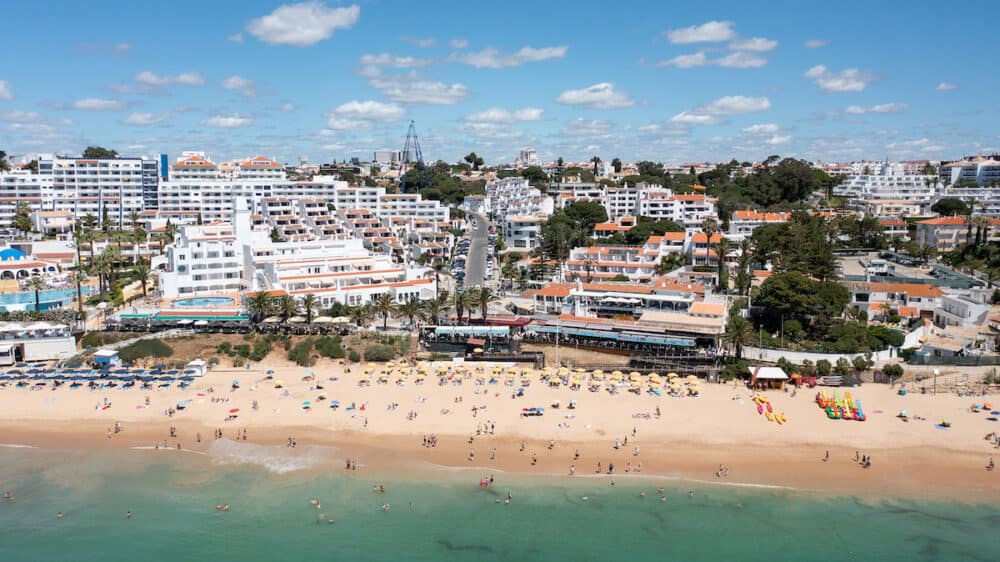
690, 439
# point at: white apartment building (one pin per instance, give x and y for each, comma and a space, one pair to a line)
983, 200
527, 157
980, 170
102, 188
523, 233
198, 185
743, 222
205, 259
889, 194
689, 211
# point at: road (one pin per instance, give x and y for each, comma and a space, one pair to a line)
475, 263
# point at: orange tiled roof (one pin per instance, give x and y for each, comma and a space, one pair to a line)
555, 290
911, 289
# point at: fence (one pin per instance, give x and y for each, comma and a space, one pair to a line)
958, 361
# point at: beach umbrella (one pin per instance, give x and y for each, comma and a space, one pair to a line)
234, 410
279, 384
616, 373
672, 375
692, 378
580, 370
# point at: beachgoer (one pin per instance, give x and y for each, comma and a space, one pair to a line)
128, 515
827, 457
59, 515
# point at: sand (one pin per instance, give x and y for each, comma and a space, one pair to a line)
689, 440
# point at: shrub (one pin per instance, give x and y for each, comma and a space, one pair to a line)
404, 345
243, 350
100, 339
330, 346
893, 371
225, 348
260, 350
379, 352
144, 348
823, 367
734, 370
301, 353
353, 356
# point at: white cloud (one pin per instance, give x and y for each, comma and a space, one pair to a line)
458, 43
888, 108
369, 111
227, 121
580, 127
779, 139
335, 123
686, 61
302, 24
412, 89
499, 115
98, 104
143, 119
709, 32
761, 129
598, 96
728, 105
288, 106
20, 116
847, 80
386, 59
756, 44
880, 108
148, 78
742, 59
116, 50
240, 84
816, 43
236, 37
420, 41
945, 87
6, 93
691, 118
737, 59
492, 58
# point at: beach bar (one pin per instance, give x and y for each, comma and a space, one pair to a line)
104, 358
35, 341
767, 377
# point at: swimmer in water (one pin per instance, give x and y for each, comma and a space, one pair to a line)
385, 507
225, 507
128, 515
584, 498
690, 493
59, 515
642, 494
218, 507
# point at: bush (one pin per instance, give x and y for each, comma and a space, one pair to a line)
330, 346
101, 339
823, 367
380, 352
144, 348
243, 350
260, 350
301, 353
734, 370
353, 356
893, 371
404, 345
225, 348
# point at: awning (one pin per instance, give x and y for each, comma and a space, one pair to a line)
476, 341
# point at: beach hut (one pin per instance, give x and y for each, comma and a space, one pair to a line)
106, 358
767, 377
196, 367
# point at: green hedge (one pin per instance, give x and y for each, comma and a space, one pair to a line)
144, 348
380, 352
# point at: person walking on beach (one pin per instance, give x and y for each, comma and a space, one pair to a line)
990, 466
827, 457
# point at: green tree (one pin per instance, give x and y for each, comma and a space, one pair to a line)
22, 217
361, 315
411, 309
259, 305
434, 307
310, 304
474, 160
823, 367
484, 297
739, 333
142, 272
893, 371
535, 175
4, 165
617, 164
383, 306
843, 367
950, 206
99, 152
79, 277
37, 284
287, 307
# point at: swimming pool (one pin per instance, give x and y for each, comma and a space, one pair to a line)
51, 298
204, 301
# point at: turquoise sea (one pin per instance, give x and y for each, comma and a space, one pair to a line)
441, 517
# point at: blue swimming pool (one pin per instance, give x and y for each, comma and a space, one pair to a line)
204, 301
52, 298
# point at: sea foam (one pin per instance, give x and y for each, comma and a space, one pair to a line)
274, 459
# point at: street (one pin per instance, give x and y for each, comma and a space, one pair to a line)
475, 265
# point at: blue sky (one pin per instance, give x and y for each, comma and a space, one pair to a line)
638, 80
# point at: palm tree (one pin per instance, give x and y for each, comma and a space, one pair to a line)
169, 235
439, 267
383, 306
434, 307
309, 304
79, 277
721, 249
484, 297
410, 309
739, 333
142, 271
459, 301
287, 307
360, 315
259, 305
37, 284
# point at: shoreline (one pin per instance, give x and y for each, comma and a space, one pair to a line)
907, 474
683, 438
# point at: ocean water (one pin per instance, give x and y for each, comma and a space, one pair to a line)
440, 517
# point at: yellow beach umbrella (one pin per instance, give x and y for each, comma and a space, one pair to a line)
692, 378
616, 373
279, 384
653, 375
672, 376
580, 370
